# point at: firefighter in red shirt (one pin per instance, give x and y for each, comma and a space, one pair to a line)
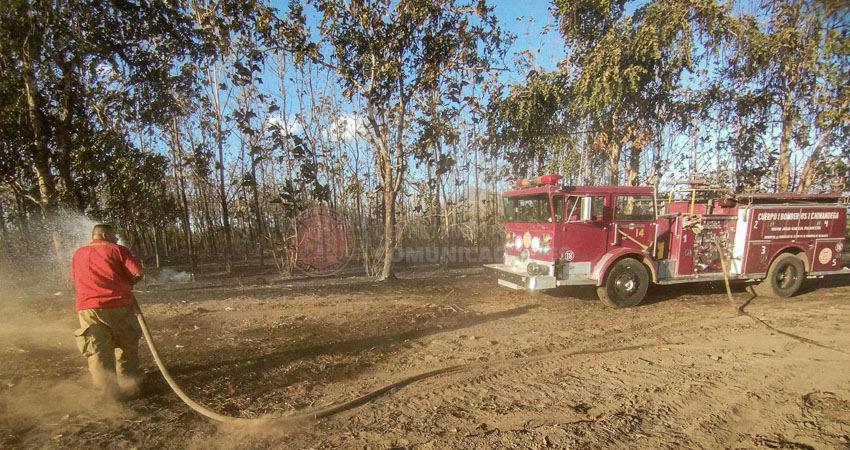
104, 273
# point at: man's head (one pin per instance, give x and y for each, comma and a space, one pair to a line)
104, 232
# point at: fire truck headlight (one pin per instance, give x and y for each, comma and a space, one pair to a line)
537, 269
535, 244
518, 242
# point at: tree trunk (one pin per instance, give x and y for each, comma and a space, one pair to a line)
23, 222
807, 179
41, 155
784, 178
222, 197
156, 246
614, 163
389, 223
184, 203
205, 207
634, 166
4, 233
63, 138
258, 211
477, 198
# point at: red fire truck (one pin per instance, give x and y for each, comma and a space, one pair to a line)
619, 239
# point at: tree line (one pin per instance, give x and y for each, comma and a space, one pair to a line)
202, 128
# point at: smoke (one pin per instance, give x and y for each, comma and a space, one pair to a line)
169, 275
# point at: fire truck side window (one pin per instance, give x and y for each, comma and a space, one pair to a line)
634, 208
597, 207
574, 209
532, 209
558, 207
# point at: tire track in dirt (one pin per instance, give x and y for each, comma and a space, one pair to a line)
743, 413
488, 393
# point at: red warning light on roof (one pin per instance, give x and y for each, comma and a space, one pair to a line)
537, 181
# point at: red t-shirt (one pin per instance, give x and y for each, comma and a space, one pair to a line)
102, 273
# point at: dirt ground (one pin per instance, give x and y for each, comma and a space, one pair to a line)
551, 370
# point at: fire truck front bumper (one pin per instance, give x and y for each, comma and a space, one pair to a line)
516, 278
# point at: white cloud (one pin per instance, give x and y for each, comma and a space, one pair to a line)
346, 128
288, 126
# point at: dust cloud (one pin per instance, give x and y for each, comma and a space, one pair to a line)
261, 432
36, 295
60, 401
37, 323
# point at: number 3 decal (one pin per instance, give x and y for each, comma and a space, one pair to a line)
763, 250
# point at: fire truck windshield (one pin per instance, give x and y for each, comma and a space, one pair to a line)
528, 209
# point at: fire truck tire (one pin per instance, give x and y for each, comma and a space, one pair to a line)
784, 277
625, 284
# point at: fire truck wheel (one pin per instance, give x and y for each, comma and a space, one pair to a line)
784, 277
625, 284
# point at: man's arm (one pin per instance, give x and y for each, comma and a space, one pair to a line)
133, 265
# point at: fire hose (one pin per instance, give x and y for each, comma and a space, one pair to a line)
741, 309
201, 409
361, 400
325, 412
331, 410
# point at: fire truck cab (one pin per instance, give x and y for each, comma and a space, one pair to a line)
619, 239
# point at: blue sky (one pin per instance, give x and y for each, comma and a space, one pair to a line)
525, 19
528, 20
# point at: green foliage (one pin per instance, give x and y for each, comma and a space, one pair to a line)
76, 73
620, 85
769, 83
787, 73
529, 125
627, 71
135, 193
